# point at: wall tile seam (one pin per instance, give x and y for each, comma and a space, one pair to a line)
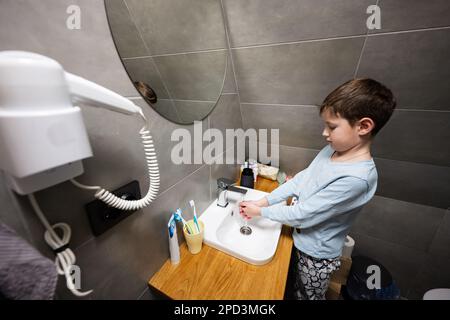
165, 99
400, 246
187, 100
274, 44
412, 109
230, 55
375, 158
362, 50
416, 277
447, 211
143, 292
175, 54
358, 63
133, 19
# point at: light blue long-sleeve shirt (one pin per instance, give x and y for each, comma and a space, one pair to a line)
330, 194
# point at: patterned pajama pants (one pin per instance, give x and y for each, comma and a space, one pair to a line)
312, 275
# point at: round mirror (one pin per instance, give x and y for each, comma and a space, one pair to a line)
174, 52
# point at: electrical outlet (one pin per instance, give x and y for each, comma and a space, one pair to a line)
103, 217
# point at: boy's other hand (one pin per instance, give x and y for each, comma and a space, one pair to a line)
248, 209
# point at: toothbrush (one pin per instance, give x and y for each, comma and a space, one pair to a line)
179, 217
192, 203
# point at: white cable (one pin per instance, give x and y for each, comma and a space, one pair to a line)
153, 174
82, 186
64, 259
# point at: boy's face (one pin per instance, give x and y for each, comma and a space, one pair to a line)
339, 133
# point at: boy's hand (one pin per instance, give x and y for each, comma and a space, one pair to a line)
248, 209
260, 203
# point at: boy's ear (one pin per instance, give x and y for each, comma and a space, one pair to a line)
365, 125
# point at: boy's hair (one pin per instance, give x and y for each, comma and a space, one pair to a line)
146, 91
359, 98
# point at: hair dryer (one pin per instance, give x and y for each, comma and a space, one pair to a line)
42, 135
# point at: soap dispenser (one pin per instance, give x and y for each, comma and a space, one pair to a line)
247, 178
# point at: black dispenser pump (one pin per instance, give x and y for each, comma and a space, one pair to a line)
247, 179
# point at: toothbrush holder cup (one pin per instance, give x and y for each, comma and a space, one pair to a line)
194, 241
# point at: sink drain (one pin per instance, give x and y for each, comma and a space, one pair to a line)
245, 230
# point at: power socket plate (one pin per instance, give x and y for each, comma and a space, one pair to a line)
103, 217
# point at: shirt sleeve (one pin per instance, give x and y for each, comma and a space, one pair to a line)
287, 189
338, 197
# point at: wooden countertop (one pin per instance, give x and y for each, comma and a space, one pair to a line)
212, 274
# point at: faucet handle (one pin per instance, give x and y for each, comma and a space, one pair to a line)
224, 183
238, 190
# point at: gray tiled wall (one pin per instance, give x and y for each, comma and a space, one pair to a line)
401, 15
296, 73
256, 22
410, 240
289, 54
203, 70
416, 78
201, 21
118, 263
281, 70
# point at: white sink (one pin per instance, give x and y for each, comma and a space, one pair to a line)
222, 231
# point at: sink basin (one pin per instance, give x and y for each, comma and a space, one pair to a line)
223, 231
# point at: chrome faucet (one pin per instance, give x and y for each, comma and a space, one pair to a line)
224, 186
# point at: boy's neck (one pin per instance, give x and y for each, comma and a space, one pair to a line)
357, 153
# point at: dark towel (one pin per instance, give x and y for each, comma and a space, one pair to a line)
24, 273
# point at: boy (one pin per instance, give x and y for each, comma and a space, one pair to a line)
336, 185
